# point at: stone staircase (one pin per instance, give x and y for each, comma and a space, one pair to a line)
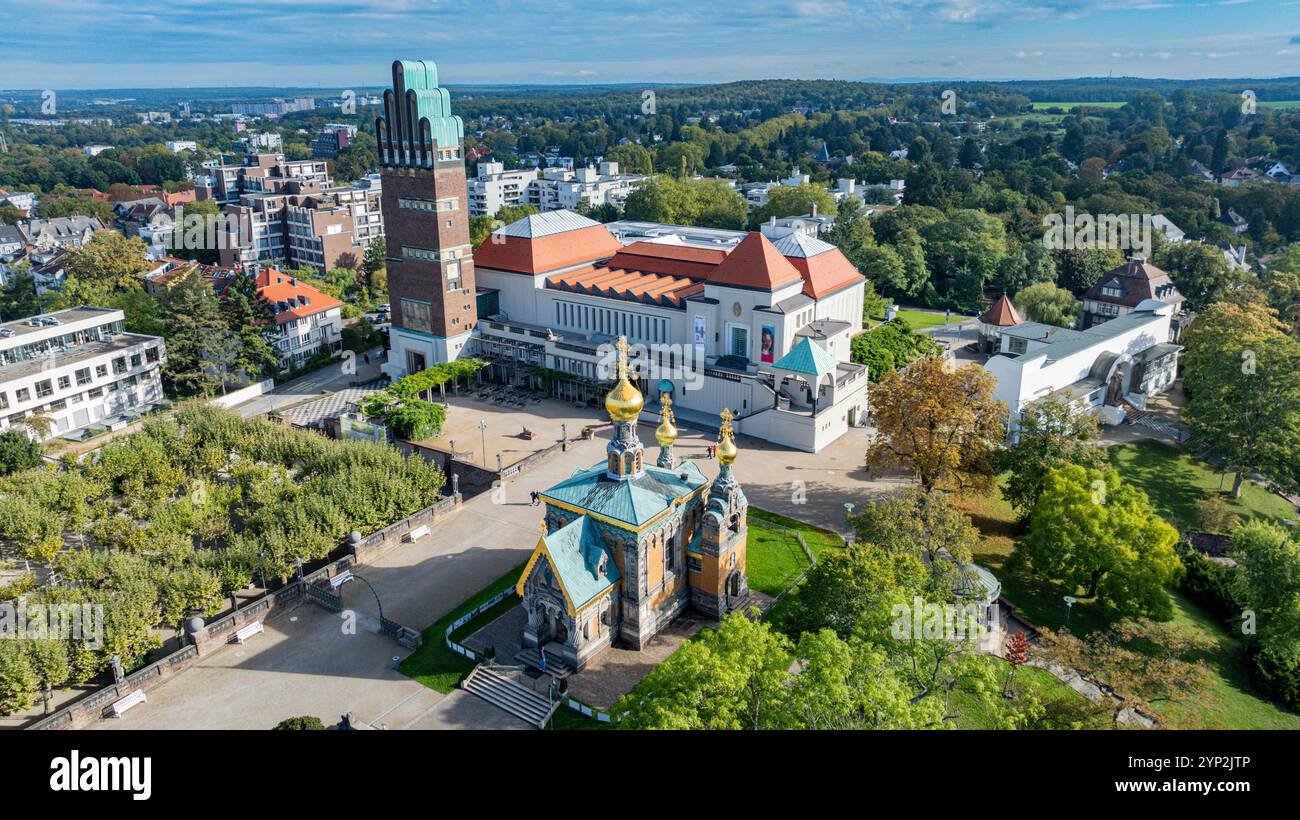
555, 665
501, 690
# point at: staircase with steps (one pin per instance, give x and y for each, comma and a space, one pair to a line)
504, 692
555, 665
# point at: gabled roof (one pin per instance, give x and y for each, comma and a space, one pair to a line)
755, 264
545, 242
290, 298
808, 358
574, 553
1139, 280
823, 267
1002, 314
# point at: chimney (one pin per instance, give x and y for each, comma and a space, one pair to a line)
814, 209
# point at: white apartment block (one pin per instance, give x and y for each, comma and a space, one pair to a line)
565, 189
176, 146
307, 321
495, 188
79, 368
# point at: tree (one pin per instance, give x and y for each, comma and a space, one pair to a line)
19, 685
794, 200
923, 525
109, 260
18, 298
969, 240
732, 677
631, 159
704, 202
1242, 377
1140, 662
942, 426
1048, 304
1269, 581
18, 452
196, 331
1079, 270
1052, 434
48, 658
249, 319
1198, 270
1016, 654
856, 589
1092, 531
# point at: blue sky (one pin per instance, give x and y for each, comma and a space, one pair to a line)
132, 43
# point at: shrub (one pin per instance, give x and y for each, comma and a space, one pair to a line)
1275, 669
300, 723
1209, 583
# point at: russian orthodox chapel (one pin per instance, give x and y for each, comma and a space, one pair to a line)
627, 546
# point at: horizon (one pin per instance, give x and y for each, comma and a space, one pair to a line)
336, 44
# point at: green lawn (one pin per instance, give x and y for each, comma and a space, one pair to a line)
774, 558
1175, 480
970, 713
921, 319
1288, 105
436, 666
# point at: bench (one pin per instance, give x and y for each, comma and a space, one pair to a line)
244, 633
417, 533
134, 699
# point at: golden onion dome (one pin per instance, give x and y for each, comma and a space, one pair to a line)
666, 432
624, 402
727, 449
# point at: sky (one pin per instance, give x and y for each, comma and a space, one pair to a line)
177, 43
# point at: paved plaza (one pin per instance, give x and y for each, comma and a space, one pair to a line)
304, 664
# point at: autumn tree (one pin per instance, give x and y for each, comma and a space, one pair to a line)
941, 425
1142, 663
1092, 531
1016, 654
1242, 377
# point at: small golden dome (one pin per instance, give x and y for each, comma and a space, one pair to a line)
727, 449
624, 402
666, 432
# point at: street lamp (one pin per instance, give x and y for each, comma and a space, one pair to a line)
482, 428
848, 512
1070, 601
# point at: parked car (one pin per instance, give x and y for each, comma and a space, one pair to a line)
384, 308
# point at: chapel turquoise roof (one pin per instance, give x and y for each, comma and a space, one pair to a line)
575, 550
809, 358
633, 501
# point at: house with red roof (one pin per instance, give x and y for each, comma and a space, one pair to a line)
715, 318
308, 323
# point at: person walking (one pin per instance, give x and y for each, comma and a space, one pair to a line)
535, 497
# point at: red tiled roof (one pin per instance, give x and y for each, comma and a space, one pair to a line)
631, 285
547, 253
281, 288
1002, 314
756, 264
826, 273
673, 260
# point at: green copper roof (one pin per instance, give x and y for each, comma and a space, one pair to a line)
808, 358
425, 100
634, 501
576, 550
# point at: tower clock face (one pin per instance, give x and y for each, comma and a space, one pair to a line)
735, 310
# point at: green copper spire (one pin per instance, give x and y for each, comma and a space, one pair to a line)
417, 119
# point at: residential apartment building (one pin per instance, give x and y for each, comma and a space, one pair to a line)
307, 321
274, 108
561, 188
79, 368
494, 188
292, 212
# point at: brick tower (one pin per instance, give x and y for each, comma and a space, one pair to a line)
426, 221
